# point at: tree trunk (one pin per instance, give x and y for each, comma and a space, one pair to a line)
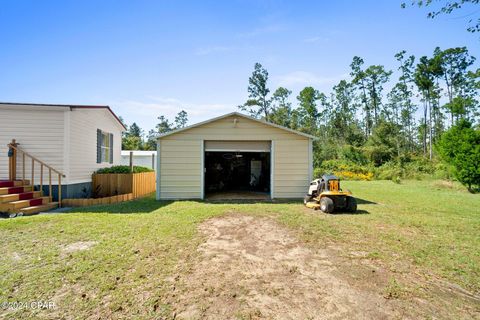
424, 126
410, 130
431, 129
450, 95
374, 100
367, 111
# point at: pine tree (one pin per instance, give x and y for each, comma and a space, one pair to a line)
258, 103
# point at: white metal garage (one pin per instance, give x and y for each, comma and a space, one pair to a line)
233, 152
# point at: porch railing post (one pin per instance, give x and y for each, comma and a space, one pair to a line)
50, 183
12, 160
131, 161
41, 178
23, 166
33, 174
59, 190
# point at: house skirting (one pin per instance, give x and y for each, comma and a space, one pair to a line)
71, 191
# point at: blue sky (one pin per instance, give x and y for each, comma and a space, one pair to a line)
151, 58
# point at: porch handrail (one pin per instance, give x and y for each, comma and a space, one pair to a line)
13, 169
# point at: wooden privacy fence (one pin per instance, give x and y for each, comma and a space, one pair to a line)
97, 201
109, 184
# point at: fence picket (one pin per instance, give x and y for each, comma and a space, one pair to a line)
139, 184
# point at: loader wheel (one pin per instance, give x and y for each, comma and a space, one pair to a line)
351, 204
326, 205
307, 199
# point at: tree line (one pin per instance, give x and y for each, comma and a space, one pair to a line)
427, 96
376, 116
379, 116
136, 139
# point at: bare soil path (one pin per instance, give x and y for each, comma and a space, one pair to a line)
251, 267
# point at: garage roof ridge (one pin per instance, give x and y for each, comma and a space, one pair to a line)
235, 114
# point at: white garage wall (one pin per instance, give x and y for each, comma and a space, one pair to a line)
180, 169
291, 168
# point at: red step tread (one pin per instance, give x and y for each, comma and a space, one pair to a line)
15, 190
6, 183
25, 196
36, 202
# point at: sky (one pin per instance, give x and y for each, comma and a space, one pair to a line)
152, 58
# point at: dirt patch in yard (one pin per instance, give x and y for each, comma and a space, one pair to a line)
78, 246
252, 267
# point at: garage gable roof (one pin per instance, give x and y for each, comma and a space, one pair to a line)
238, 115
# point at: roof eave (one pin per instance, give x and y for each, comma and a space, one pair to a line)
236, 114
72, 106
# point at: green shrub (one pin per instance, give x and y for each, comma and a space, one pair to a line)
377, 154
460, 148
352, 154
411, 167
324, 151
337, 165
345, 170
419, 165
389, 171
317, 173
124, 169
444, 172
350, 165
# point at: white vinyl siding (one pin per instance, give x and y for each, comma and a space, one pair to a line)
83, 142
62, 137
291, 168
181, 157
39, 132
180, 169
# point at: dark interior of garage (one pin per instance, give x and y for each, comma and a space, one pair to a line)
237, 173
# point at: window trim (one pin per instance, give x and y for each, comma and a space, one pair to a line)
105, 147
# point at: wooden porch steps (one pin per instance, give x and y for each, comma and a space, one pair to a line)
17, 205
41, 208
19, 197
15, 190
16, 183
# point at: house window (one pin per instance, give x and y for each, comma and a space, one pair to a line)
105, 147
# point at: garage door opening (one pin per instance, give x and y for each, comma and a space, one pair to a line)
237, 175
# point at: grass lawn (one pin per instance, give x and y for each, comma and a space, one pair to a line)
116, 260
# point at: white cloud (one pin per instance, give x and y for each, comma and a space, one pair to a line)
145, 112
197, 111
313, 39
304, 78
